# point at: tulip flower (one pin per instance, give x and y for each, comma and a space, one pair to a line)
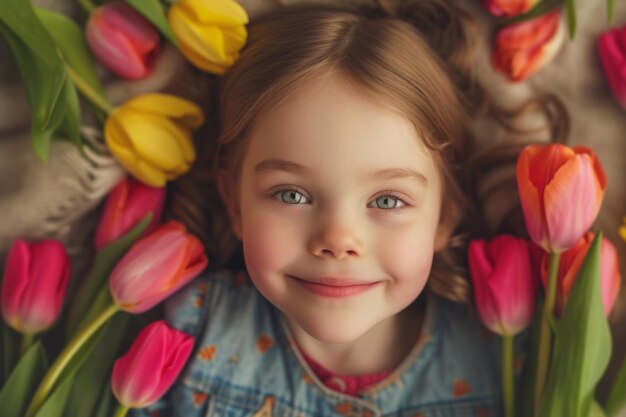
561, 190
612, 52
570, 263
521, 49
151, 365
505, 284
509, 8
36, 276
126, 205
622, 230
210, 32
122, 40
155, 267
150, 136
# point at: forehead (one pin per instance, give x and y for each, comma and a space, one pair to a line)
330, 122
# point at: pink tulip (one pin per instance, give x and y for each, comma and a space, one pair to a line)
155, 267
509, 8
561, 190
151, 365
521, 49
570, 263
505, 283
612, 51
125, 42
36, 276
127, 204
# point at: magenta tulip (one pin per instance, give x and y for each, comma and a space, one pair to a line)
126, 205
561, 191
122, 40
570, 263
505, 283
151, 365
612, 52
155, 267
36, 276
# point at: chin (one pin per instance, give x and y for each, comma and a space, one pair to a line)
334, 331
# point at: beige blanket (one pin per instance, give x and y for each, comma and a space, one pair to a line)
62, 199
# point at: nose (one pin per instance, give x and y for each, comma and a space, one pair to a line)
336, 240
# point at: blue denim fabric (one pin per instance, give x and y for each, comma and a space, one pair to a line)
246, 364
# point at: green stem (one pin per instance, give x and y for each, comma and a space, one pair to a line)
87, 5
27, 341
545, 336
64, 358
121, 411
508, 382
91, 94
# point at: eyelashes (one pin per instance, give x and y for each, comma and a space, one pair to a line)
385, 200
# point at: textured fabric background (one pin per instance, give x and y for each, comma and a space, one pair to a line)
61, 199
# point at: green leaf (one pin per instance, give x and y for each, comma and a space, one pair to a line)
540, 9
96, 370
571, 17
10, 342
70, 124
23, 381
596, 410
529, 371
610, 10
70, 40
45, 81
105, 261
54, 405
617, 397
106, 402
153, 11
582, 345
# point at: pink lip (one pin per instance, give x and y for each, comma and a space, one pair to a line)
336, 287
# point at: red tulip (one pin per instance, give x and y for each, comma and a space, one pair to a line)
151, 365
523, 48
612, 51
155, 267
125, 42
561, 190
35, 281
127, 204
509, 8
505, 283
570, 263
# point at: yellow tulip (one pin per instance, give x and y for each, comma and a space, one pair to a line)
150, 135
622, 230
210, 32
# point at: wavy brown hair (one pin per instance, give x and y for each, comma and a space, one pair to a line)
416, 56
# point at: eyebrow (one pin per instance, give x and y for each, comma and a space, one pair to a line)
270, 165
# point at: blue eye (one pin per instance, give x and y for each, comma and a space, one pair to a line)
291, 197
389, 201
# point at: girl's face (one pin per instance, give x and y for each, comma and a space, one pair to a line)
338, 209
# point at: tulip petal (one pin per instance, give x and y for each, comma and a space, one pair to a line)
610, 278
574, 185
16, 277
168, 106
205, 41
121, 147
530, 198
216, 12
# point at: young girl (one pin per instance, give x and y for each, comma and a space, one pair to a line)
342, 140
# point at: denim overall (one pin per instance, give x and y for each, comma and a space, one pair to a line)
245, 363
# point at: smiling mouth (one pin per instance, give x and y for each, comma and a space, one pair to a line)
335, 288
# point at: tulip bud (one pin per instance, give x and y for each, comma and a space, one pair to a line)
210, 33
561, 190
521, 49
151, 365
36, 276
570, 263
125, 42
612, 52
150, 136
504, 282
155, 267
126, 205
509, 8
